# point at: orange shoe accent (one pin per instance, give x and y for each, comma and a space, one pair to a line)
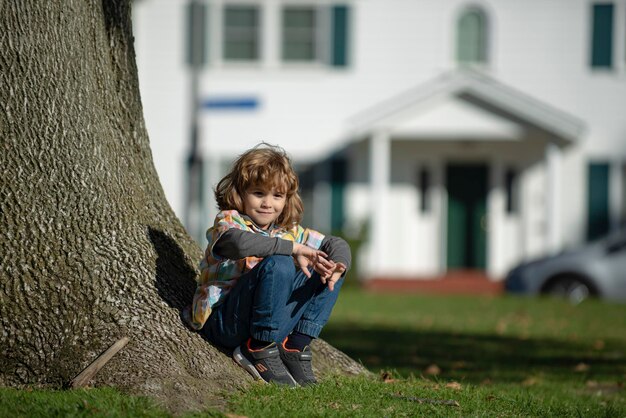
291, 350
261, 368
248, 345
259, 349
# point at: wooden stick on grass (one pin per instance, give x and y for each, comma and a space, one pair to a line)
90, 371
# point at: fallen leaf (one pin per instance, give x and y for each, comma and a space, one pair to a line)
501, 326
387, 377
581, 367
603, 388
529, 381
599, 345
454, 385
433, 370
235, 416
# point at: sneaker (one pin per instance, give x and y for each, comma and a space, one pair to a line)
299, 364
264, 364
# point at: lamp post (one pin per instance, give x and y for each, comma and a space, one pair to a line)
196, 59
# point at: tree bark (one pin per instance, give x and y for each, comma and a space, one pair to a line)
90, 251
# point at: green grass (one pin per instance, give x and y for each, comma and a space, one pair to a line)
480, 339
104, 402
494, 356
488, 356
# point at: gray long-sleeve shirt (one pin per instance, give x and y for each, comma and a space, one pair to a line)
235, 244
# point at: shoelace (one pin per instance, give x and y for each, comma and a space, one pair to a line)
275, 364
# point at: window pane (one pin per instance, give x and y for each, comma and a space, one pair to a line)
242, 17
299, 51
241, 27
299, 34
602, 36
240, 50
299, 18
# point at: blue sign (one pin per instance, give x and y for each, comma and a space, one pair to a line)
230, 103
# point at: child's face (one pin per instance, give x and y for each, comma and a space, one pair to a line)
264, 205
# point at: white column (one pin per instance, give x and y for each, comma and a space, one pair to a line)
495, 220
553, 197
380, 155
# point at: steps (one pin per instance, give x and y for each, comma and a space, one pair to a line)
463, 282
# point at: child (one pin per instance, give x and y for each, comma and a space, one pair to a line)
267, 285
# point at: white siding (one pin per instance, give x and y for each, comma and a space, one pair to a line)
538, 47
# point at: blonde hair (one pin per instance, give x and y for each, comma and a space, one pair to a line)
266, 166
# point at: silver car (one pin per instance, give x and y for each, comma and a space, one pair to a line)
597, 269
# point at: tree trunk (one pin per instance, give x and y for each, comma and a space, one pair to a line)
90, 250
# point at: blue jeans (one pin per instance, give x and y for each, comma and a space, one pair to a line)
269, 302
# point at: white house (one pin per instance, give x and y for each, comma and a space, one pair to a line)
460, 134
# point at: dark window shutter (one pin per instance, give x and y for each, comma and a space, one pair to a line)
602, 36
597, 200
196, 34
340, 36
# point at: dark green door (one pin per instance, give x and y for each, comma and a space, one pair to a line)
467, 216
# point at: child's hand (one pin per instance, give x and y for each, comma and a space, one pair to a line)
324, 267
306, 257
334, 276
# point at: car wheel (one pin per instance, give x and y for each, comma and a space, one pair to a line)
571, 288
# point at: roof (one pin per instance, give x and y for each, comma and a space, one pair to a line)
475, 96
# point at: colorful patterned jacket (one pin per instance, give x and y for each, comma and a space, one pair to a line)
218, 274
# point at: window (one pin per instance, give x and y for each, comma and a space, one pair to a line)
511, 185
424, 190
241, 33
602, 36
316, 34
300, 38
471, 40
306, 32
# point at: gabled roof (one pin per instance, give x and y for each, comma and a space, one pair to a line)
476, 89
